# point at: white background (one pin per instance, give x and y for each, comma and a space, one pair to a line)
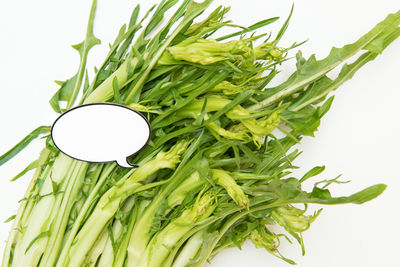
358, 137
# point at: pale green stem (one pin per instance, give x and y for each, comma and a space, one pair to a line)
21, 210
38, 223
82, 214
59, 223
190, 250
97, 249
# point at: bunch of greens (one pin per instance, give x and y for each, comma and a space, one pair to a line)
214, 173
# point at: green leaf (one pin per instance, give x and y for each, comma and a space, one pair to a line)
320, 193
308, 123
30, 167
322, 110
290, 187
200, 119
323, 196
251, 28
158, 16
205, 86
319, 89
117, 50
41, 235
236, 155
203, 167
23, 143
117, 98
331, 181
367, 194
83, 49
282, 30
314, 69
63, 94
313, 172
277, 152
322, 87
253, 157
236, 101
10, 218
134, 16
193, 10
55, 186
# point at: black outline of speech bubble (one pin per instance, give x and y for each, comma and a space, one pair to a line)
110, 104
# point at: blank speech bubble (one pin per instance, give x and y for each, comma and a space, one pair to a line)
101, 132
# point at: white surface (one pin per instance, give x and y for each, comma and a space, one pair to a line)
101, 133
358, 137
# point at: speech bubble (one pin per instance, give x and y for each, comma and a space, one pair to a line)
101, 132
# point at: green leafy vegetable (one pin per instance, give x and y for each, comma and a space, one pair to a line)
214, 173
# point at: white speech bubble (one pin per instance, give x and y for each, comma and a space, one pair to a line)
101, 132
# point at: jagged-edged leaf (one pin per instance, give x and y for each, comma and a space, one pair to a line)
308, 123
83, 49
290, 188
63, 94
314, 69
